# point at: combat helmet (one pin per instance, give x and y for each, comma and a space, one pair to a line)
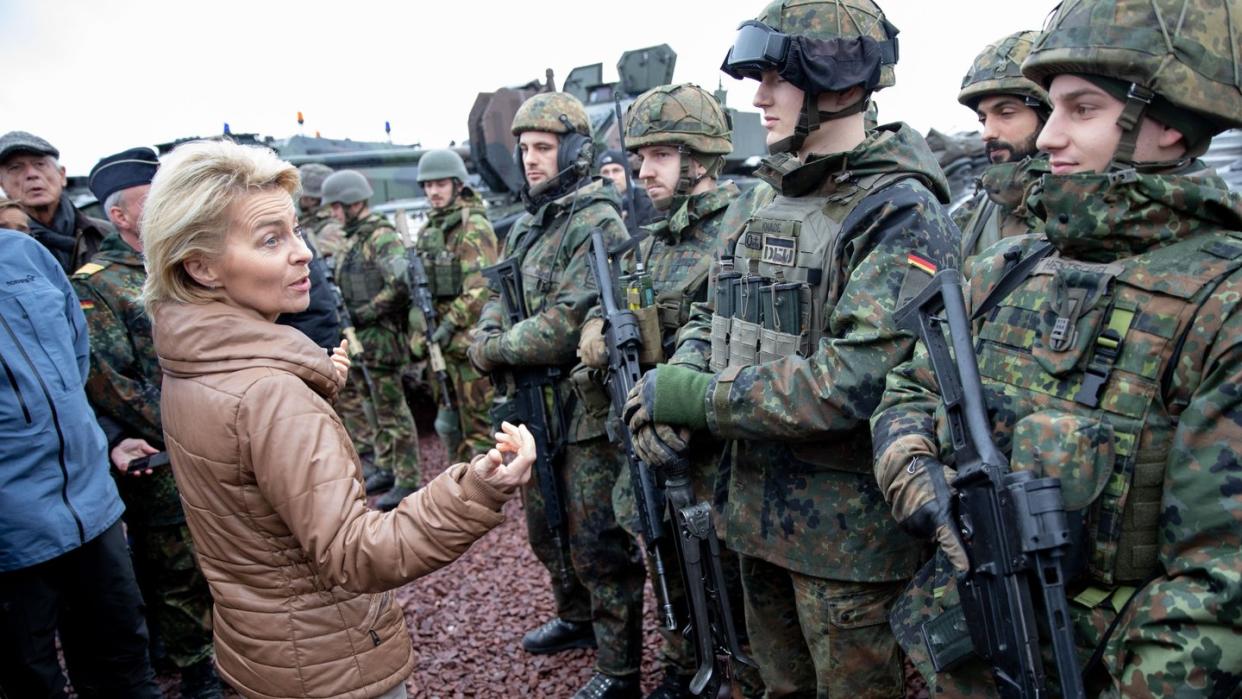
560, 113
346, 187
818, 46
441, 164
686, 116
997, 70
1178, 60
313, 175
554, 112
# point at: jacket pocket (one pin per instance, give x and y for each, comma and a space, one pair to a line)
379, 603
15, 414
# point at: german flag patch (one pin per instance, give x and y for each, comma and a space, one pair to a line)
922, 263
86, 304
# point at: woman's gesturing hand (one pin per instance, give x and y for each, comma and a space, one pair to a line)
507, 466
340, 362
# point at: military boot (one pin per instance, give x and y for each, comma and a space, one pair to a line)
603, 686
393, 497
379, 482
199, 681
558, 635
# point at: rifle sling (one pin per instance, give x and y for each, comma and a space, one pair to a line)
1011, 279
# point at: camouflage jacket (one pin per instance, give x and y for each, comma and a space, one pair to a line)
124, 381
552, 247
464, 232
371, 274
998, 210
1148, 453
323, 231
800, 496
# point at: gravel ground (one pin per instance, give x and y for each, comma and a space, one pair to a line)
467, 620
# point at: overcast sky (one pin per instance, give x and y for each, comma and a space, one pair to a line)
97, 77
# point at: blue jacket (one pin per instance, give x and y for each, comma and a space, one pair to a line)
55, 491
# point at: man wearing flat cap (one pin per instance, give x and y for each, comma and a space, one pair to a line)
31, 174
124, 388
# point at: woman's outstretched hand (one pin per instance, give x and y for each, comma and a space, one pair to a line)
507, 466
340, 362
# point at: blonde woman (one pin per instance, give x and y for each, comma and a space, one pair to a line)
299, 568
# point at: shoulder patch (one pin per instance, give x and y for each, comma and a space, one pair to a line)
88, 269
86, 304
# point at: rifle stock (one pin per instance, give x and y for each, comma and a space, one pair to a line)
1011, 524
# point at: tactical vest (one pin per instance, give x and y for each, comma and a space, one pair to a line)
1088, 350
672, 295
445, 274
982, 229
775, 296
360, 275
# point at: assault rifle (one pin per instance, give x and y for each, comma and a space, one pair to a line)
420, 295
698, 551
525, 389
1012, 525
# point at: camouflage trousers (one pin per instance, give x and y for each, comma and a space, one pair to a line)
396, 437
603, 555
573, 601
353, 405
814, 637
467, 431
178, 599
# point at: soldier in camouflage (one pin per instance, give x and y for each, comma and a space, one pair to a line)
325, 236
371, 273
1134, 408
551, 242
322, 230
682, 135
124, 389
456, 243
1012, 110
788, 357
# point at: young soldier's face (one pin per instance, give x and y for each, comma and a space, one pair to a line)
439, 192
538, 149
659, 173
1082, 133
1010, 127
781, 103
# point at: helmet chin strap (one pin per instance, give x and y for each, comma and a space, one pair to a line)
1138, 99
810, 119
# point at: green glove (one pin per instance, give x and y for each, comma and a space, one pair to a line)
680, 395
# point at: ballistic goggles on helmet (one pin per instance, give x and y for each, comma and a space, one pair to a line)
813, 65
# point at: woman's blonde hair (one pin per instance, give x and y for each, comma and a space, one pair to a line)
187, 211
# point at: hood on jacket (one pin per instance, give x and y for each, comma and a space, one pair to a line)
199, 339
1104, 217
889, 148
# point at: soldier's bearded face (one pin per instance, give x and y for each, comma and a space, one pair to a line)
1010, 127
439, 192
781, 103
34, 180
265, 264
659, 173
538, 149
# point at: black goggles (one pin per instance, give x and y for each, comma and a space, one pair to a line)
813, 65
756, 48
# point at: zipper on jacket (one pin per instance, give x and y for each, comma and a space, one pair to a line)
60, 434
373, 619
17, 390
